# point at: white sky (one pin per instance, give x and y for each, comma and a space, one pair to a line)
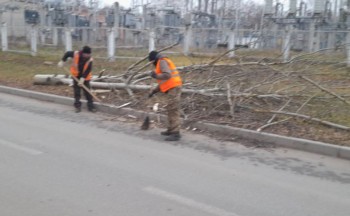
124, 3
127, 3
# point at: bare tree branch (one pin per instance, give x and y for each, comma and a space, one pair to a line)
145, 57
324, 89
309, 118
230, 102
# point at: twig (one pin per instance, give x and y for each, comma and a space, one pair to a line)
145, 57
141, 79
220, 56
284, 106
312, 53
138, 70
271, 124
123, 105
229, 99
306, 102
129, 91
324, 89
284, 120
327, 123
101, 73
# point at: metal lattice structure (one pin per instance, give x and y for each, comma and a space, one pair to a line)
203, 29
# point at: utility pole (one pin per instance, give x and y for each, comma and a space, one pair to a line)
1, 11
336, 11
116, 19
4, 41
235, 33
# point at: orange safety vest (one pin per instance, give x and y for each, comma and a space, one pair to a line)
175, 79
74, 67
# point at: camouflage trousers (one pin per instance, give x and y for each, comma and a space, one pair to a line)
173, 97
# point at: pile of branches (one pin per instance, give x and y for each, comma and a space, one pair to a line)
256, 95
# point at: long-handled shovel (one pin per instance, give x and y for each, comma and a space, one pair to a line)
84, 87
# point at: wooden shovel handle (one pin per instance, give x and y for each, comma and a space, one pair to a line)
86, 89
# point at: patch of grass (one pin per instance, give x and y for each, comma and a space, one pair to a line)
23, 66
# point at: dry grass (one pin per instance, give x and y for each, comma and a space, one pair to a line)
327, 70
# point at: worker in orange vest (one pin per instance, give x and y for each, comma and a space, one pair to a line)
81, 69
169, 83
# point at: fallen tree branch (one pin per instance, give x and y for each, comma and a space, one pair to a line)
228, 51
286, 119
284, 106
272, 123
145, 57
249, 63
230, 102
309, 118
317, 51
100, 74
138, 70
141, 79
324, 89
206, 92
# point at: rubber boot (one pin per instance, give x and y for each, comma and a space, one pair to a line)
93, 109
165, 133
77, 109
173, 137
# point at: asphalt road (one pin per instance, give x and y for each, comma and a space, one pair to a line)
54, 162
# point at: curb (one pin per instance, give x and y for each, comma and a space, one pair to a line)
283, 141
278, 140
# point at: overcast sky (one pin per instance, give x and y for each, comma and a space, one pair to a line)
127, 3
124, 3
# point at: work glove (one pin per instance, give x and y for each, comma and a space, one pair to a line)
153, 74
81, 82
154, 91
60, 64
150, 95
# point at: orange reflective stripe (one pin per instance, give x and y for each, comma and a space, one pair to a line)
74, 66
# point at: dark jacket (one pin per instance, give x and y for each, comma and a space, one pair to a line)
82, 61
